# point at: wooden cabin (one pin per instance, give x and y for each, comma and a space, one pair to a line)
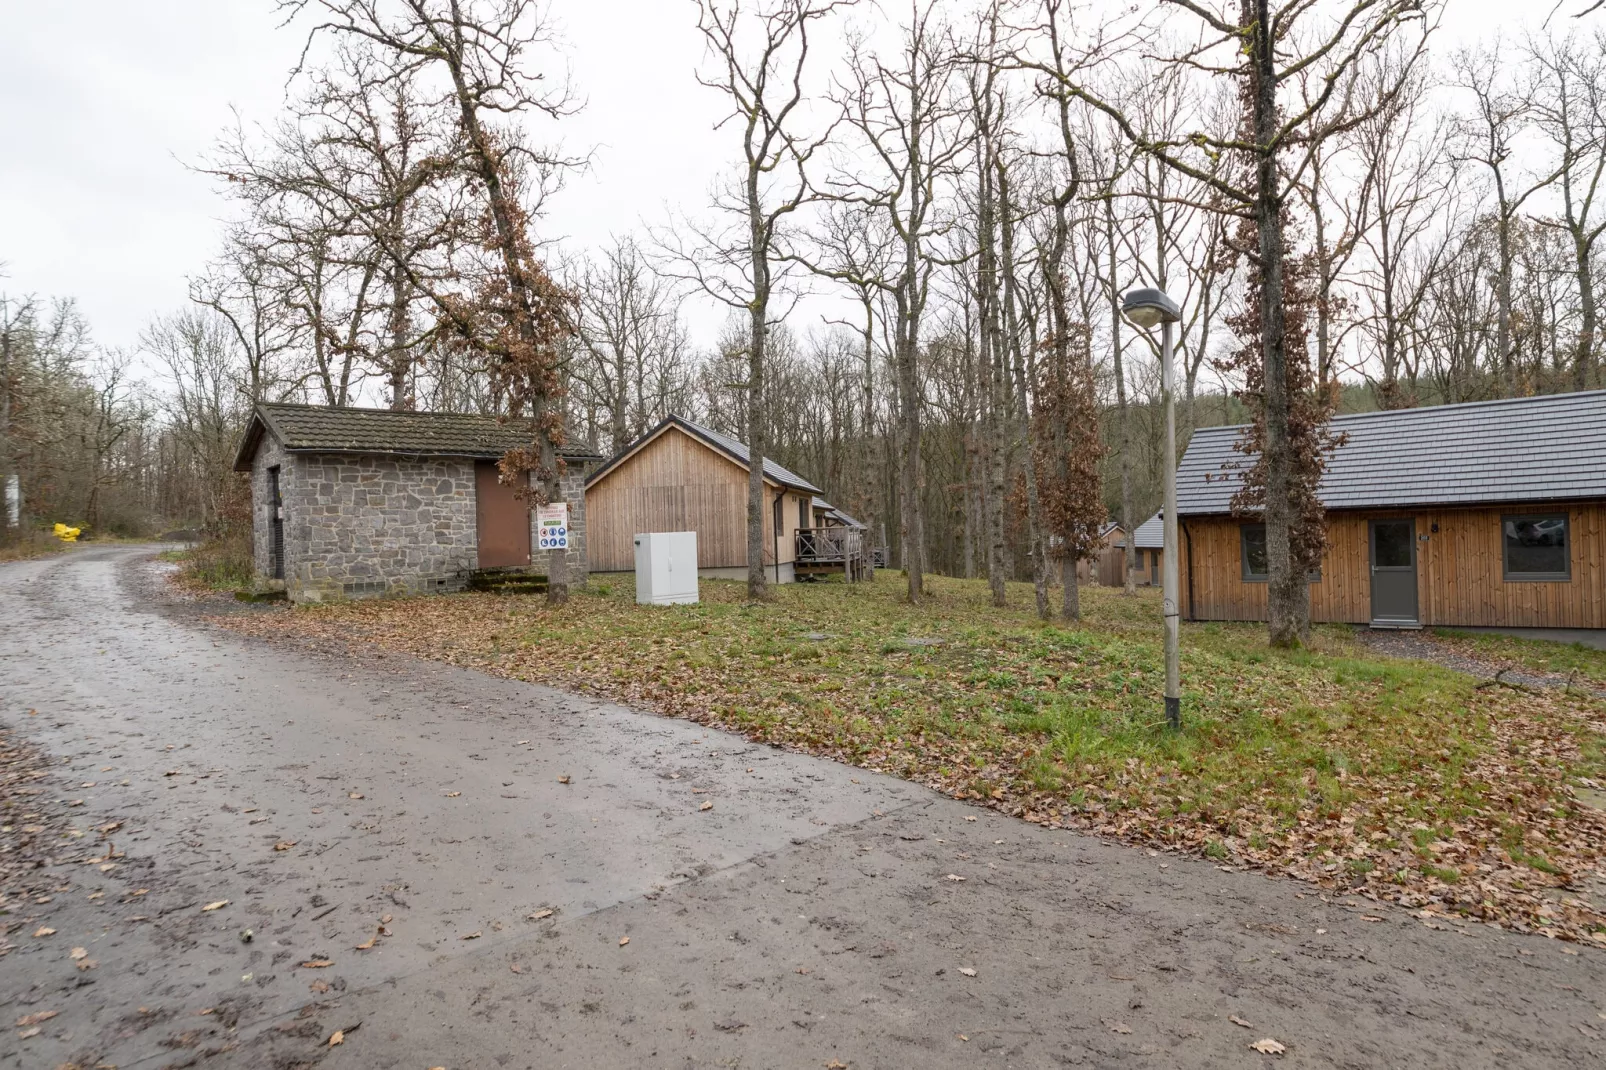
1104, 567
681, 476
1149, 542
1487, 514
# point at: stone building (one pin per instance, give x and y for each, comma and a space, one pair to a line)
351, 503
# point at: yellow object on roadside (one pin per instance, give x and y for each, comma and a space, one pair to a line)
65, 533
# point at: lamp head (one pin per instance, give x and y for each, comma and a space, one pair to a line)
1149, 307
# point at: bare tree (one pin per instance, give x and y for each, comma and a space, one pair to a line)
760, 59
902, 107
635, 350
1569, 108
1265, 47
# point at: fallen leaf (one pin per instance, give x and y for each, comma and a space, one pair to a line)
954, 877
1235, 1020
44, 930
539, 914
317, 964
967, 971
730, 1025
319, 987
1119, 1027
26, 1033
36, 1018
384, 919
337, 1037
623, 940
836, 1064
969, 818
79, 953
475, 935
453, 794
516, 968
354, 795
521, 743
366, 944
284, 845
219, 905
87, 964
1370, 917
706, 806
1268, 1047
962, 1036
563, 780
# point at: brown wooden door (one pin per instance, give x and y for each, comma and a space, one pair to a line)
503, 520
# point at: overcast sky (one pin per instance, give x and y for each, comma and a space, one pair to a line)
103, 102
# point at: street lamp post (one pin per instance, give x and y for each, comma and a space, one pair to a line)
1148, 308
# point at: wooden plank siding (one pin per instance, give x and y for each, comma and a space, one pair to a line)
676, 483
1460, 570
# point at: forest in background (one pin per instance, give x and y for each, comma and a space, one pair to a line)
930, 165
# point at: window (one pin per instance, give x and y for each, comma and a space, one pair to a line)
803, 513
1252, 538
1536, 547
1252, 556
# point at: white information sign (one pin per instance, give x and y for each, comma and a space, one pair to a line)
552, 526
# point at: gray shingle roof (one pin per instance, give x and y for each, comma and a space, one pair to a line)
781, 475
737, 451
1550, 448
1150, 534
325, 429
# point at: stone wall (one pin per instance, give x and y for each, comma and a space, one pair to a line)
371, 525
268, 455
362, 526
573, 486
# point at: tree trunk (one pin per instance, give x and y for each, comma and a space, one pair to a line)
991, 361
1036, 551
1123, 432
505, 217
1287, 595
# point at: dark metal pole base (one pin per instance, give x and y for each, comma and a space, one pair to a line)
1173, 713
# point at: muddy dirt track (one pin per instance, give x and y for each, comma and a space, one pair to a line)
393, 835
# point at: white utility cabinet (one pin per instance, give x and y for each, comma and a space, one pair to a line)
666, 568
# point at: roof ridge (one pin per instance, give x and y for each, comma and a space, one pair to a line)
1456, 405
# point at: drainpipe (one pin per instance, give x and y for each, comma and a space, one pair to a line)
779, 517
1187, 540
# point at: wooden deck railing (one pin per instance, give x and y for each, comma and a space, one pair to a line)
834, 547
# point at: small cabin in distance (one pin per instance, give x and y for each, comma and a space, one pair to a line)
1148, 540
682, 476
1103, 569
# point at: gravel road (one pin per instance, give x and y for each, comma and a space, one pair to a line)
459, 871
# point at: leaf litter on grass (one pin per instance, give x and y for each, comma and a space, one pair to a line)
1392, 779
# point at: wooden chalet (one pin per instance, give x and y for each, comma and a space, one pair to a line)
1148, 539
1104, 567
682, 476
1485, 514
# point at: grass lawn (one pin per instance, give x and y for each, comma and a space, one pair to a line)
1540, 655
1393, 778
